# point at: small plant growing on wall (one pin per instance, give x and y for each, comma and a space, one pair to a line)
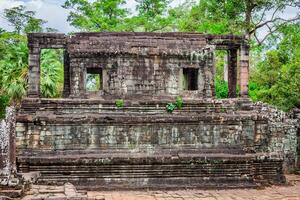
119, 103
4, 101
170, 107
179, 102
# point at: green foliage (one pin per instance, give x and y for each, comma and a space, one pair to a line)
23, 20
52, 73
152, 16
119, 103
221, 88
4, 102
99, 15
13, 65
170, 107
111, 15
14, 68
179, 102
212, 16
14, 57
253, 90
276, 78
235, 16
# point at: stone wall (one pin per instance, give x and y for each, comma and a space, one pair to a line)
296, 115
278, 137
127, 75
217, 138
141, 64
136, 63
57, 125
51, 125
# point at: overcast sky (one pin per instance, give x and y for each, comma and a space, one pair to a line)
51, 11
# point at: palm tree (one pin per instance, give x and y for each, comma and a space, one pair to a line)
52, 73
14, 69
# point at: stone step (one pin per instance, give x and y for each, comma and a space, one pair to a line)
141, 170
192, 168
150, 183
10, 193
159, 106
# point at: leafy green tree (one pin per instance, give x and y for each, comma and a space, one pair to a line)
152, 16
277, 76
99, 15
34, 25
216, 17
245, 17
23, 20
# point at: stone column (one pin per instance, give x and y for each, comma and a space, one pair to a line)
34, 72
66, 92
7, 148
209, 75
225, 70
77, 77
244, 69
232, 72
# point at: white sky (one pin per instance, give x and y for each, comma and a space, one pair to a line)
51, 11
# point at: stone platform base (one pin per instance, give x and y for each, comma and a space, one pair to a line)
17, 184
121, 170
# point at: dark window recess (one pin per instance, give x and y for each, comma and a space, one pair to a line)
190, 79
94, 81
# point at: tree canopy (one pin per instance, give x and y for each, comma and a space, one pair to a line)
99, 15
22, 20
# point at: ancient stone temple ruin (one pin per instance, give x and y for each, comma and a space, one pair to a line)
86, 139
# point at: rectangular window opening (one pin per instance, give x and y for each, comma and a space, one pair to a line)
94, 81
190, 79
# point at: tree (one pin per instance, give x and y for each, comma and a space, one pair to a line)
244, 17
99, 15
52, 73
277, 77
14, 57
23, 20
13, 66
152, 15
2, 30
34, 25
